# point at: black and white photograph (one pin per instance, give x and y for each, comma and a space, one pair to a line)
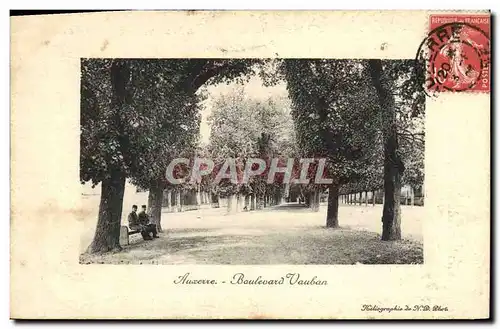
251, 164
252, 161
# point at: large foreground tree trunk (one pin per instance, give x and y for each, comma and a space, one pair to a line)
107, 233
332, 218
155, 199
393, 166
391, 219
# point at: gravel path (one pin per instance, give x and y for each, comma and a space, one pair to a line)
287, 234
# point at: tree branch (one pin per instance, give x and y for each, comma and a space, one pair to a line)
203, 75
412, 136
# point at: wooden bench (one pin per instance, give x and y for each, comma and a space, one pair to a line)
124, 233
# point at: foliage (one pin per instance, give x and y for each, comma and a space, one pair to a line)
402, 77
244, 128
334, 112
159, 119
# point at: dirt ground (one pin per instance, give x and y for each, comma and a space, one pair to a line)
285, 234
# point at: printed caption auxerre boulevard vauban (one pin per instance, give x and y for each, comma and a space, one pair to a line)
242, 279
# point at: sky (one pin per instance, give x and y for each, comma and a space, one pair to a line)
254, 88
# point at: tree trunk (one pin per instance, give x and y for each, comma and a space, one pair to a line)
373, 198
393, 166
169, 200
315, 201
260, 201
198, 197
239, 200
360, 198
366, 199
252, 202
155, 198
178, 200
150, 200
107, 233
391, 219
332, 219
412, 196
215, 200
230, 204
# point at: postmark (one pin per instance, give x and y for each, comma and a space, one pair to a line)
456, 54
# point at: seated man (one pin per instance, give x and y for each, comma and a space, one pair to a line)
134, 224
144, 221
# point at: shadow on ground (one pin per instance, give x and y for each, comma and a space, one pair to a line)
290, 207
253, 246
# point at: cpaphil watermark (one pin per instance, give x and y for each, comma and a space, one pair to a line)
241, 171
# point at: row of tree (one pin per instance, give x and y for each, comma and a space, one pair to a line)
364, 116
138, 115
243, 128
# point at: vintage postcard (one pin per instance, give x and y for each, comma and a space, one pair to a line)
251, 165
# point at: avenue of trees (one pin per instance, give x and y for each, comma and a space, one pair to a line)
136, 115
244, 128
364, 116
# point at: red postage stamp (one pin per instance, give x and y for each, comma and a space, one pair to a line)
456, 53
